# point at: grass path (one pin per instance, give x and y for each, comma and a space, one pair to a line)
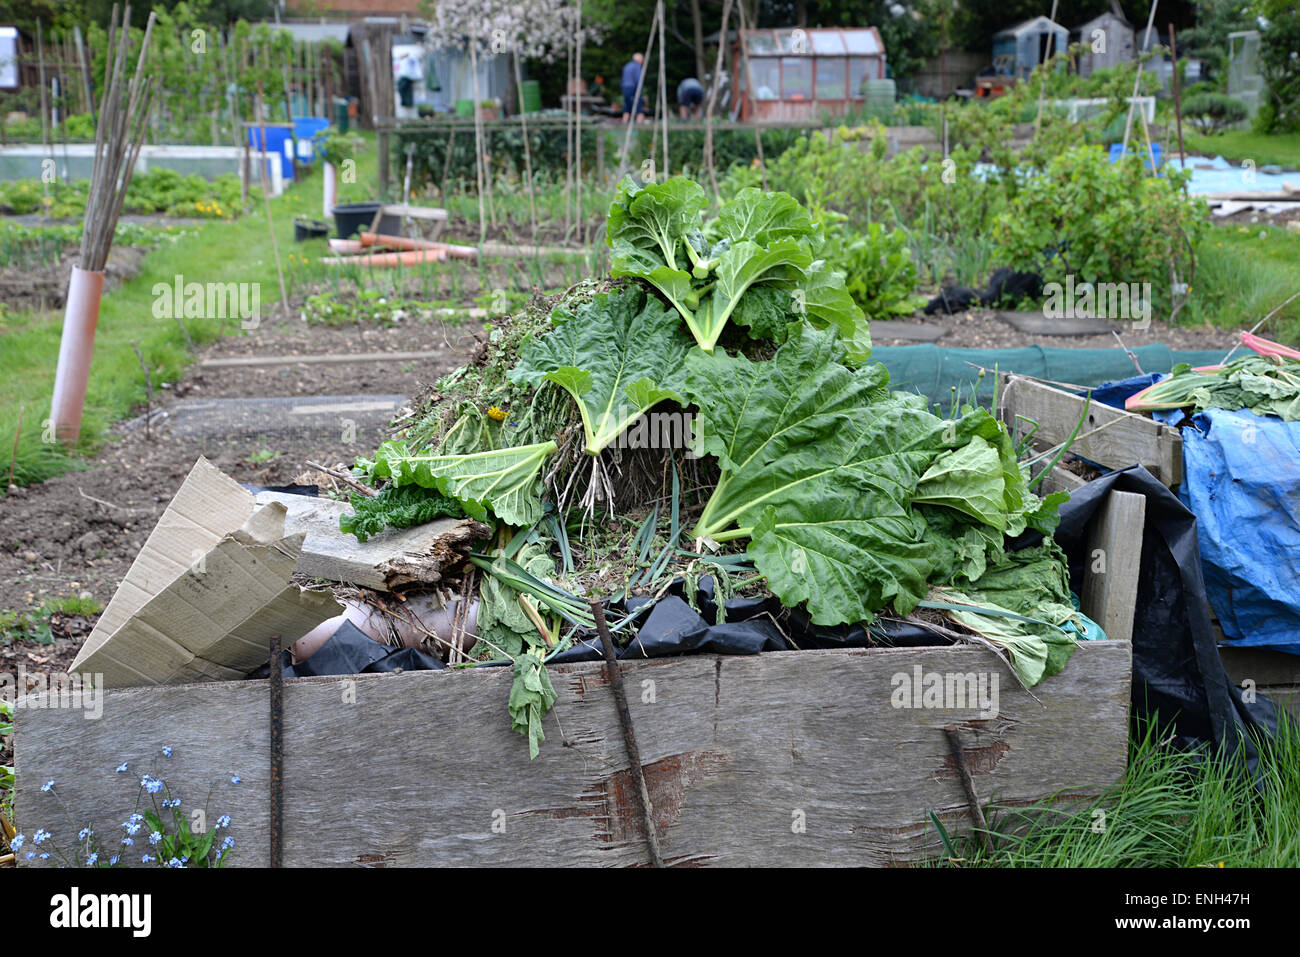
218, 251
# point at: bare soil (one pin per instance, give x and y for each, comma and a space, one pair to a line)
79, 533
27, 286
982, 329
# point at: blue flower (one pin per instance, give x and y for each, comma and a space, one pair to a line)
30, 855
132, 828
90, 861
121, 767
84, 833
236, 780
112, 861
17, 842
135, 818
48, 785
155, 837
223, 821
146, 859
40, 836
151, 784
45, 856
228, 843
167, 752
128, 841
175, 863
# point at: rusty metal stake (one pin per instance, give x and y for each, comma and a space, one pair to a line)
277, 754
629, 735
968, 782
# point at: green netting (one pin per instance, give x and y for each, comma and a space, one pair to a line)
934, 371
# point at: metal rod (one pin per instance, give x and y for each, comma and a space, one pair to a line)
629, 734
277, 754
968, 784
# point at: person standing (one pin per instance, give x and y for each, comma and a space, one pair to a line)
690, 98
631, 78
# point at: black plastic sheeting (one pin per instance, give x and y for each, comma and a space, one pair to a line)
1177, 672
350, 651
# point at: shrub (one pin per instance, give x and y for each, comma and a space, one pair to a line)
1103, 222
1213, 112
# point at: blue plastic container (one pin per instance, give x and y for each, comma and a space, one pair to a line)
279, 139
305, 128
1117, 150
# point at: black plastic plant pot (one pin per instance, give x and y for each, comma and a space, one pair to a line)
353, 218
304, 229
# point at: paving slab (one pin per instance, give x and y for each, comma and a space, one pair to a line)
1036, 324
915, 331
324, 415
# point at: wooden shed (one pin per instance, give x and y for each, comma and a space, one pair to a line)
797, 74
1109, 42
1018, 49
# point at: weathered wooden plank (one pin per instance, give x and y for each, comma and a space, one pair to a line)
1061, 480
253, 362
1111, 437
1110, 579
791, 758
1274, 674
393, 557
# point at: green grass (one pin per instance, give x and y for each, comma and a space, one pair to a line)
1171, 809
1242, 274
1279, 149
218, 251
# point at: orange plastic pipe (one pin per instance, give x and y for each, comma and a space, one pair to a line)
397, 242
80, 318
412, 257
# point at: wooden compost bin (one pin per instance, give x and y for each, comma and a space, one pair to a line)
784, 758
1116, 439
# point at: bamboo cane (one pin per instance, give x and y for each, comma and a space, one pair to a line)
713, 99
528, 150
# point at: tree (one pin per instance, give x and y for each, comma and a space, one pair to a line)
1279, 62
1207, 40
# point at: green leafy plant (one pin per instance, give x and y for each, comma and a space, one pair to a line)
821, 468
760, 243
1265, 385
1213, 112
504, 480
396, 507
1103, 222
879, 271
617, 356
6, 770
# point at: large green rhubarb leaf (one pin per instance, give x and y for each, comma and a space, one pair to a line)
753, 411
763, 217
617, 355
969, 479
504, 480
652, 222
820, 468
741, 266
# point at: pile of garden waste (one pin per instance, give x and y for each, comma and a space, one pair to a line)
1266, 382
800, 474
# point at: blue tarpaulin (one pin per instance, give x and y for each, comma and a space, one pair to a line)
1241, 478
